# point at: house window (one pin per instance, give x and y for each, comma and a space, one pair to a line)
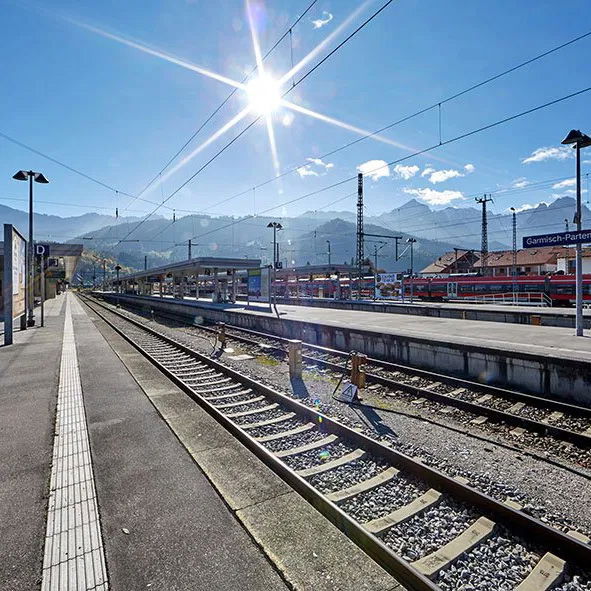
528, 269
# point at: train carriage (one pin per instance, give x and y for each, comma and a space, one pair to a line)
559, 289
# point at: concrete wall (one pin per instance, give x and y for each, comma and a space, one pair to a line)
563, 379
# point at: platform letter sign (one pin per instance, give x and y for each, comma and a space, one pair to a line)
14, 279
42, 250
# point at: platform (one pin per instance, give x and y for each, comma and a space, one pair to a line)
489, 312
111, 478
541, 359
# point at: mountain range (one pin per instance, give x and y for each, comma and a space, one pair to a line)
56, 228
303, 239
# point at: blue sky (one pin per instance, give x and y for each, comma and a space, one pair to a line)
118, 114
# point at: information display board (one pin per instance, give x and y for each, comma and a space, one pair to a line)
14, 279
388, 286
259, 283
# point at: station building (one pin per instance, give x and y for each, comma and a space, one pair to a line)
529, 261
566, 261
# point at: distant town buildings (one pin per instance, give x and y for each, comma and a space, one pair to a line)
529, 261
456, 261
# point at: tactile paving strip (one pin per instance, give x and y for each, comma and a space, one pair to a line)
74, 555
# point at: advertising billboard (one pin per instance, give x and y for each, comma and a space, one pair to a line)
14, 279
388, 286
259, 281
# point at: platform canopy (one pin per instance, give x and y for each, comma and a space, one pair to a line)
194, 266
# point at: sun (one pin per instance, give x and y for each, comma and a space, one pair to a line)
264, 96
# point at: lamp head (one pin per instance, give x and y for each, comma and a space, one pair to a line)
40, 178
21, 175
574, 136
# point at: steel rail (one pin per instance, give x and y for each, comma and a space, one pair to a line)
578, 438
553, 540
369, 543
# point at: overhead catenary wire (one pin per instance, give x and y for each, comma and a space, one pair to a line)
231, 142
226, 100
456, 95
407, 118
409, 156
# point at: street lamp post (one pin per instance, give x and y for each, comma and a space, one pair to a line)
411, 241
578, 140
328, 252
276, 226
23, 175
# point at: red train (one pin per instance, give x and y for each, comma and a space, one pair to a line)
557, 289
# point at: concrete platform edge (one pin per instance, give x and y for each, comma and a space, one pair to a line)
555, 373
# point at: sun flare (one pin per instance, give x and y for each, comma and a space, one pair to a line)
264, 96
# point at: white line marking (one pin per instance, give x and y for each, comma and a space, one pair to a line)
74, 556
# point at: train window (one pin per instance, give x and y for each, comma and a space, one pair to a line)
564, 289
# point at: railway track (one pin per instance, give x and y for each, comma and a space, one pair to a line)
540, 422
428, 530
537, 421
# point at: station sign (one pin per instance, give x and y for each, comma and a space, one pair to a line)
557, 239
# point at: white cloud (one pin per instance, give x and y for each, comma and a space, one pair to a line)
520, 183
551, 153
586, 161
566, 183
306, 171
405, 172
320, 162
321, 22
374, 169
434, 197
317, 167
439, 176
